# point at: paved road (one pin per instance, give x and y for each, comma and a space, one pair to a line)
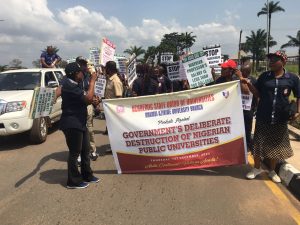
33, 191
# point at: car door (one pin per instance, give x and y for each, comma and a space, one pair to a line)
56, 110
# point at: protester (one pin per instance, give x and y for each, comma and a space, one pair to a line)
73, 124
83, 63
49, 58
248, 113
228, 69
271, 137
156, 82
114, 86
138, 86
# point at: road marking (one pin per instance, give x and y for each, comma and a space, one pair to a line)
295, 214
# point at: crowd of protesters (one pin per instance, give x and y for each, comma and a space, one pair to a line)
270, 104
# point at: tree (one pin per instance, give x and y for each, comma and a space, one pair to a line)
62, 64
36, 63
134, 49
294, 42
188, 40
16, 63
55, 49
150, 52
3, 68
273, 8
256, 44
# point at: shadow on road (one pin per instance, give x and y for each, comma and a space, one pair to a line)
54, 176
18, 141
58, 156
237, 172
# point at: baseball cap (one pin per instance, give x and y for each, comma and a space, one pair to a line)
229, 64
81, 59
72, 68
280, 54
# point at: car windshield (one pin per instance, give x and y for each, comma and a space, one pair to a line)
19, 81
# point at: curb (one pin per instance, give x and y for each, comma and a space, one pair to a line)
289, 175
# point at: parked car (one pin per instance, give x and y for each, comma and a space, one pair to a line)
16, 97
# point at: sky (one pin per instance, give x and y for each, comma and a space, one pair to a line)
75, 26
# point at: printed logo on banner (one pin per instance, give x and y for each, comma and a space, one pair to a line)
120, 109
225, 94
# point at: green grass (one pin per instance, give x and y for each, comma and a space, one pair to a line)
292, 68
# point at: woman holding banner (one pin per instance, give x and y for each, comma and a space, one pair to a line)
73, 124
271, 137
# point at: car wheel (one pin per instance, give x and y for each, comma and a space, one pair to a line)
39, 131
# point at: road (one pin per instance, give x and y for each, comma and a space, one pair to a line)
33, 191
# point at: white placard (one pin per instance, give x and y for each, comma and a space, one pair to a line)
43, 100
107, 52
131, 70
100, 86
214, 58
173, 71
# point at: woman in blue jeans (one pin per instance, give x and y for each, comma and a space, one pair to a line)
73, 124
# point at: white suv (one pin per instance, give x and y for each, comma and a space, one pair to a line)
16, 95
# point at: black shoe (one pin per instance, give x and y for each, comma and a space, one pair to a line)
105, 132
92, 179
94, 156
78, 186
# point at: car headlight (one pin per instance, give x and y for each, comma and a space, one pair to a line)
15, 106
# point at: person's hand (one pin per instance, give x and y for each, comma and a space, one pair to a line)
239, 74
295, 116
94, 75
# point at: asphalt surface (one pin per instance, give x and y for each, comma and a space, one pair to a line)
33, 179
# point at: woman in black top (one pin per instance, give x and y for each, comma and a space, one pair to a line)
73, 124
271, 138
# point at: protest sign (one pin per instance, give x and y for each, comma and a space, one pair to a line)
43, 99
70, 60
131, 69
182, 73
176, 131
107, 52
121, 64
214, 57
197, 69
247, 101
173, 71
166, 57
100, 85
95, 56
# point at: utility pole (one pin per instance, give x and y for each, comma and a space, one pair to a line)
239, 53
268, 27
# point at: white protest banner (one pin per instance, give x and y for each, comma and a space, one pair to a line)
197, 69
214, 57
166, 57
173, 71
95, 56
107, 52
247, 101
43, 99
131, 69
100, 85
177, 131
182, 73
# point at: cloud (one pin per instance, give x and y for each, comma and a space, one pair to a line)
31, 25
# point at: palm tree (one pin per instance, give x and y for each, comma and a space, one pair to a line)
134, 49
188, 40
294, 42
3, 68
256, 44
273, 8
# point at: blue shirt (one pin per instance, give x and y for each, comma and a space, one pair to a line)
274, 96
74, 108
49, 59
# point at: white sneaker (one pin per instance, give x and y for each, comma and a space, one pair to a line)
274, 177
79, 159
253, 173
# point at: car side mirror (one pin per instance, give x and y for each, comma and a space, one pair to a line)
52, 84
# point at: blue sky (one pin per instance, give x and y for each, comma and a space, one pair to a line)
75, 26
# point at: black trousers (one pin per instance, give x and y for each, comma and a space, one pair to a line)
248, 119
79, 144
